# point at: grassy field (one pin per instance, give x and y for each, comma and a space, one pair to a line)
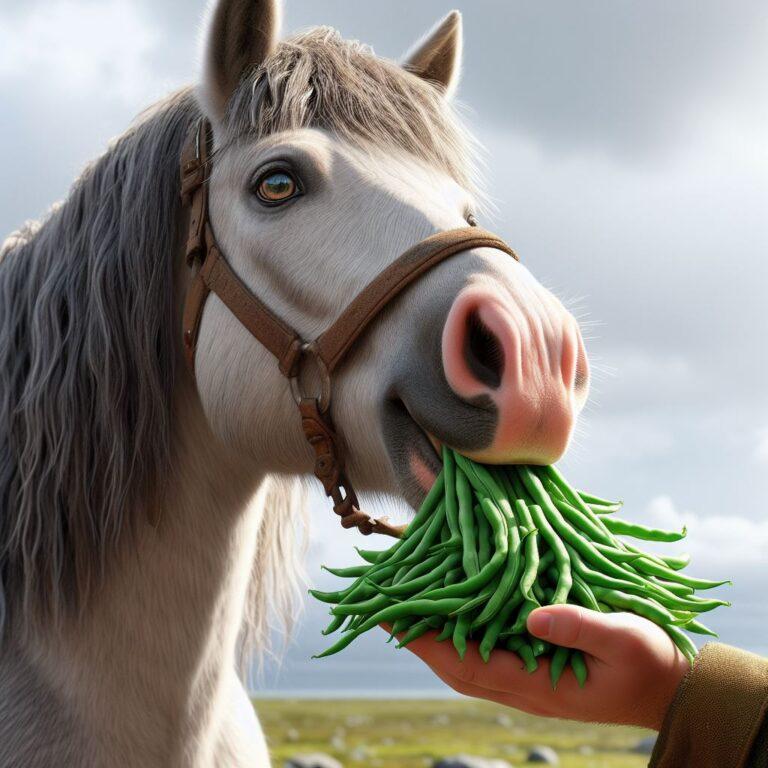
406, 734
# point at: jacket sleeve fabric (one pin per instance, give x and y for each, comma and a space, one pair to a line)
719, 716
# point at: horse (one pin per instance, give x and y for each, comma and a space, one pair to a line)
150, 513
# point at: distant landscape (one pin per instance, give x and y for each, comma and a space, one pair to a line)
410, 733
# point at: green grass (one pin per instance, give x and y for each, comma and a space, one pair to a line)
406, 734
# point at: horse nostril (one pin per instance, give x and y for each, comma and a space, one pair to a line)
483, 351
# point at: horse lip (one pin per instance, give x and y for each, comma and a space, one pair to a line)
436, 444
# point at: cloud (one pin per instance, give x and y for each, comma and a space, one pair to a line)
718, 544
761, 450
82, 47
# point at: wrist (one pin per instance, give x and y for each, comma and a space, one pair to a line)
668, 684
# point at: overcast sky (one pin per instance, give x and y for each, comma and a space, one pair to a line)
628, 161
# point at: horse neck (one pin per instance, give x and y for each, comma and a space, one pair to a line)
154, 657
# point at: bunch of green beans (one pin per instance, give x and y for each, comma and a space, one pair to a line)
489, 544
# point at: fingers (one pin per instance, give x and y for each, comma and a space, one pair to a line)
603, 635
503, 673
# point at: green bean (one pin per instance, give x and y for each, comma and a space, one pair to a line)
683, 642
414, 548
589, 498
620, 527
546, 561
428, 506
579, 667
562, 559
467, 525
447, 631
509, 576
617, 555
522, 616
642, 606
523, 650
364, 606
479, 599
681, 590
329, 597
347, 573
335, 624
422, 607
493, 629
481, 479
460, 632
451, 500
581, 522
572, 496
409, 572
677, 562
419, 629
370, 555
605, 509
557, 664
539, 646
699, 628
401, 625
483, 537
414, 585
584, 594
530, 551
654, 569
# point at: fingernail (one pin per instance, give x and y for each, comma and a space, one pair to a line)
540, 624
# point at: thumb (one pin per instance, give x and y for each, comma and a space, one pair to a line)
600, 634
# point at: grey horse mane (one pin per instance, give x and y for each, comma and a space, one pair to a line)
87, 321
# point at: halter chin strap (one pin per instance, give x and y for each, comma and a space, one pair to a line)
212, 274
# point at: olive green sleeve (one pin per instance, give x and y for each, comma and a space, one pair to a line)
719, 716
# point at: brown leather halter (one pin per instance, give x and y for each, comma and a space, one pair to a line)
214, 274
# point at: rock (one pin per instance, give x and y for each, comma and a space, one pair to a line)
468, 761
338, 743
503, 720
312, 761
645, 746
544, 755
292, 735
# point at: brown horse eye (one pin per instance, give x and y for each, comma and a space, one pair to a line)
277, 187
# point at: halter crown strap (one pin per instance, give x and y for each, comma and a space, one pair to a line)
214, 274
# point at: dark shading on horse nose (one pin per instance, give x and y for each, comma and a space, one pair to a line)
483, 351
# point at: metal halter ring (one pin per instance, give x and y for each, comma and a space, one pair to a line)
308, 349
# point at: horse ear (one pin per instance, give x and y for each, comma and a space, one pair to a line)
240, 35
437, 56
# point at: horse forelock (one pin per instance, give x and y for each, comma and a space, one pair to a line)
317, 79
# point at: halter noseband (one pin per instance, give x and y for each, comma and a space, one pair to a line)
212, 273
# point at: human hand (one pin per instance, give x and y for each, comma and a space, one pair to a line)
634, 668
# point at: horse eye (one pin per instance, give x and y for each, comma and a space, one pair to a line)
276, 187
471, 220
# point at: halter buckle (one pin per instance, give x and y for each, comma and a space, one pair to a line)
309, 350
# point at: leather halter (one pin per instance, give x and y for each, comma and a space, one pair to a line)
212, 273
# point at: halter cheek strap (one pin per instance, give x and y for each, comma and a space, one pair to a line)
213, 274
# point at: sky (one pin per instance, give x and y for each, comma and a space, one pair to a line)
627, 160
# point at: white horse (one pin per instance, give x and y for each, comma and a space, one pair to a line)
146, 516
